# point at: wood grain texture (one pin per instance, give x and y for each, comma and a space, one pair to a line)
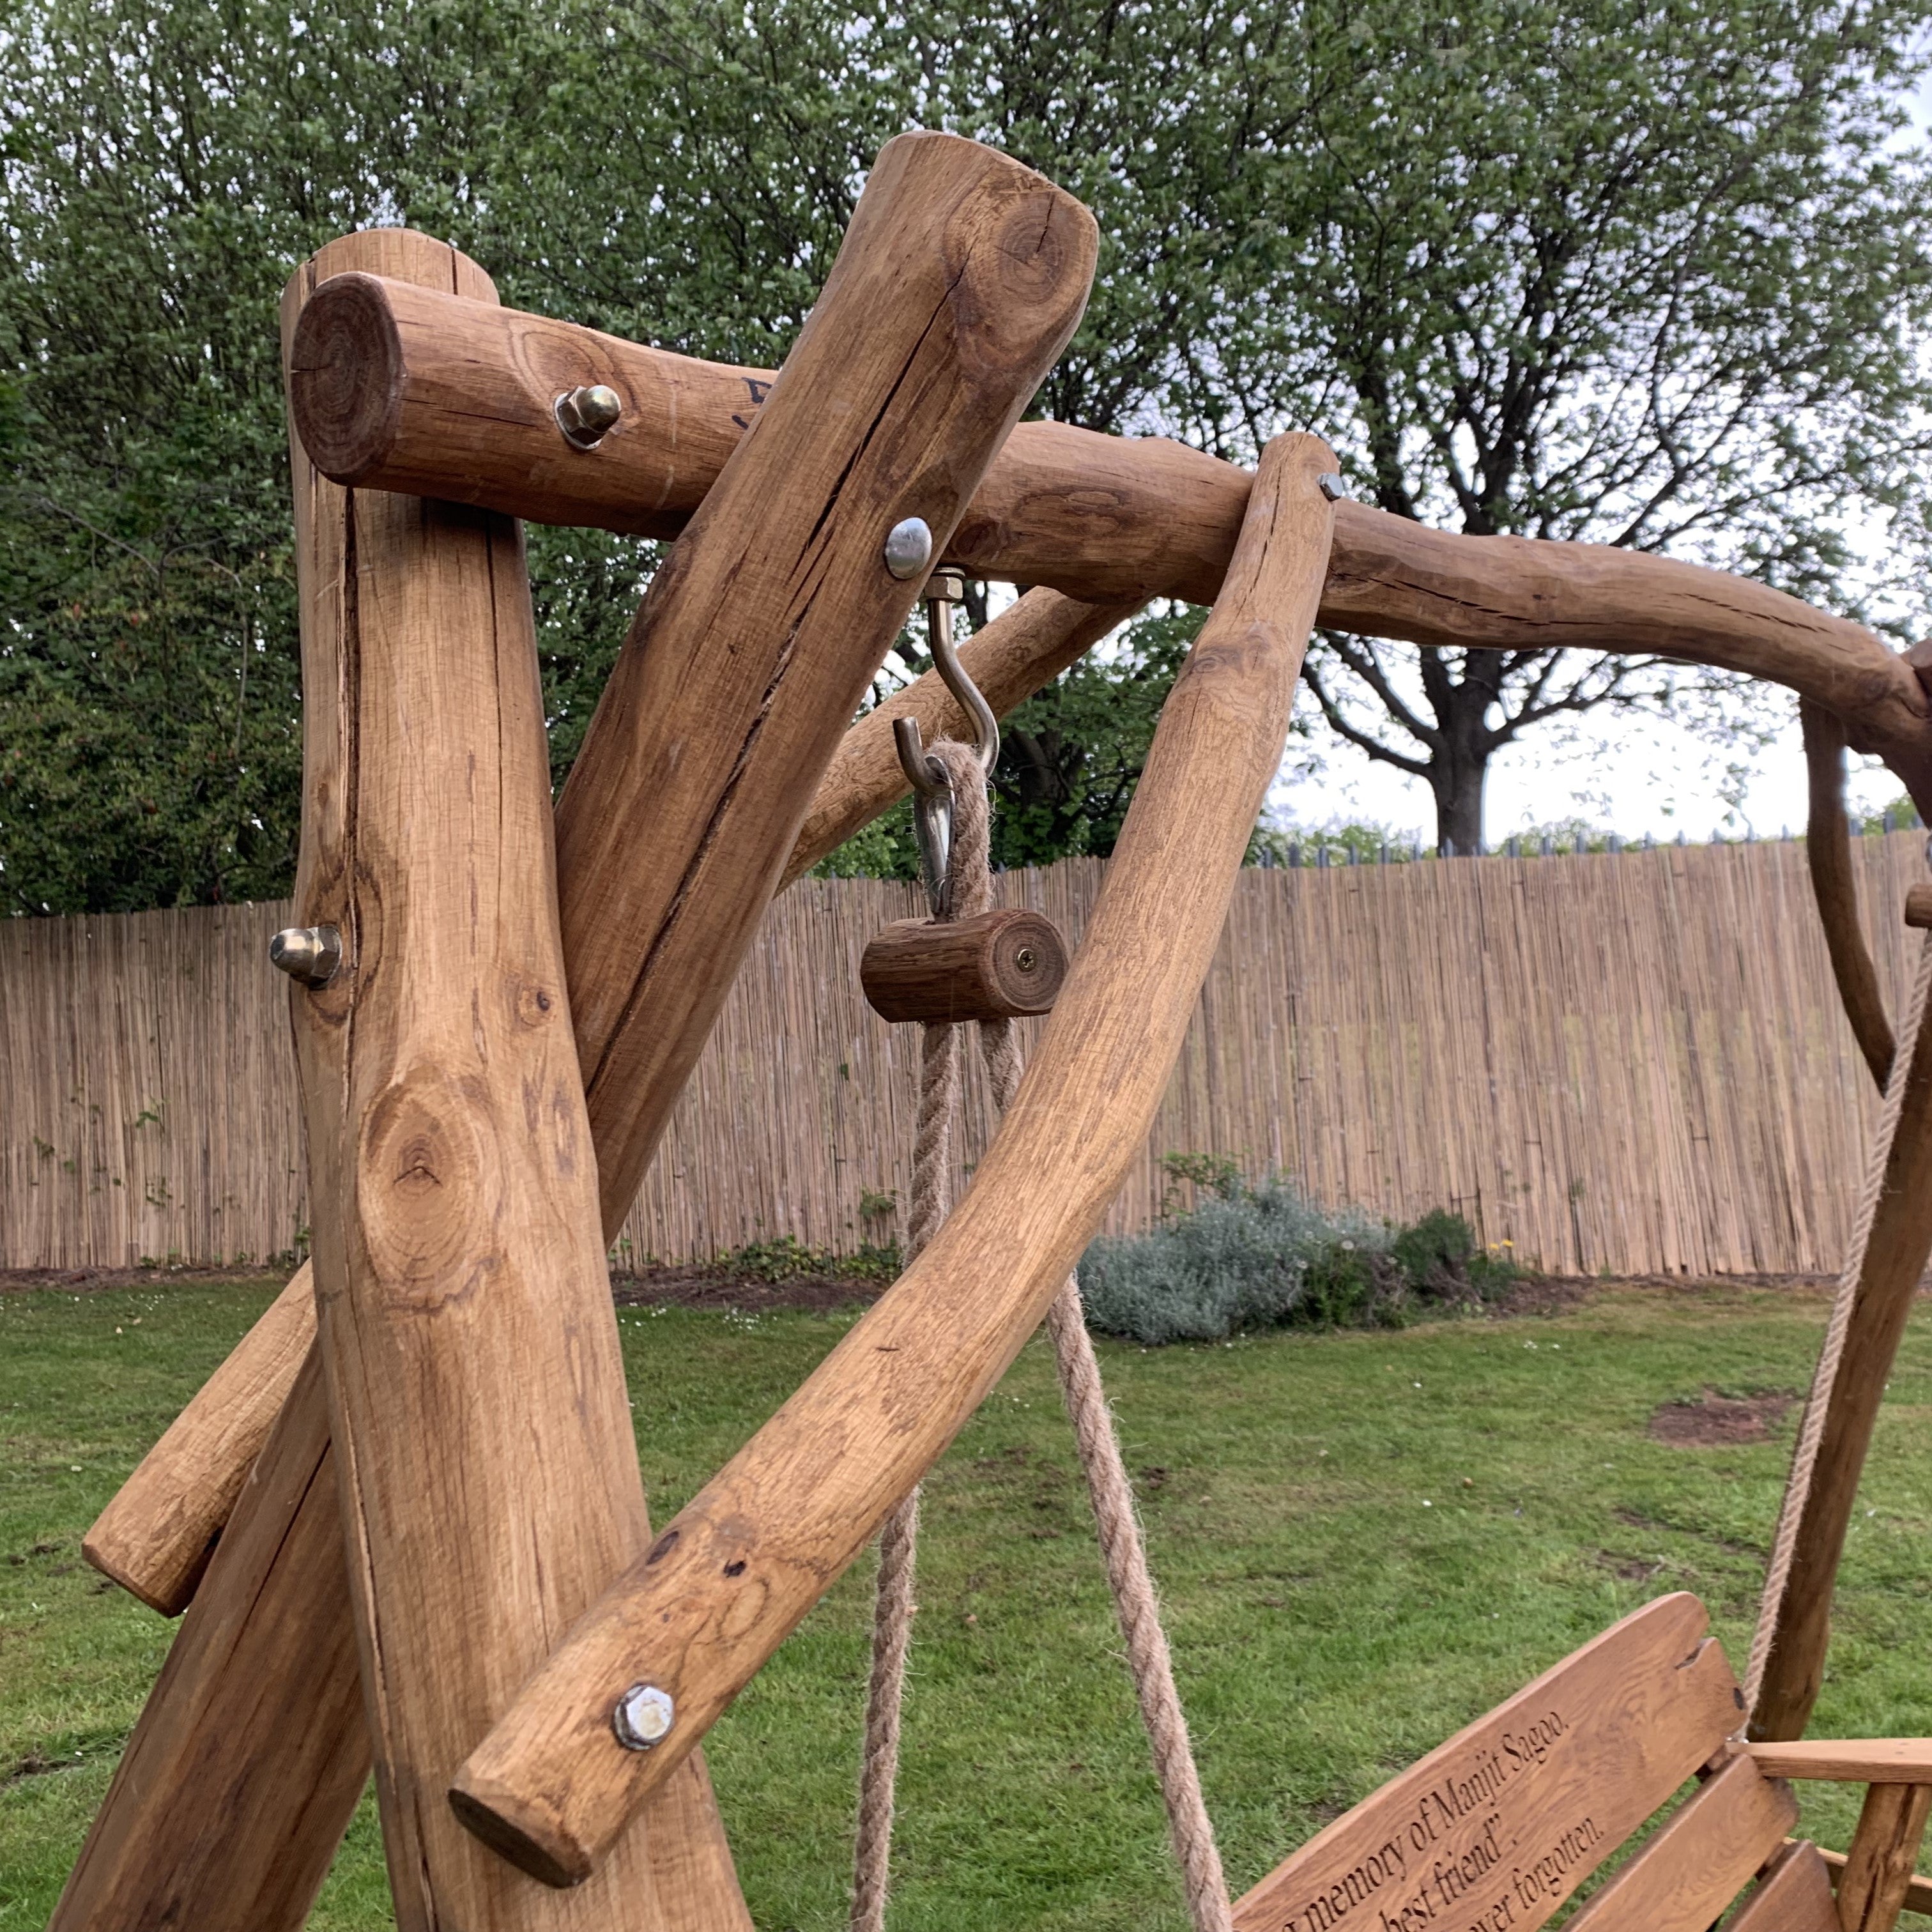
731, 1577
1497, 1827
1895, 1258
1919, 907
1795, 1895
194, 1832
960, 281
1828, 851
221, 1717
1708, 1850
1849, 1760
1003, 964
1917, 1892
1879, 1867
446, 398
486, 1465
1021, 650
155, 1536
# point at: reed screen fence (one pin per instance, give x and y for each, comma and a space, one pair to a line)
1630, 1062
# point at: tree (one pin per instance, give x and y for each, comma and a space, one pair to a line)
1650, 272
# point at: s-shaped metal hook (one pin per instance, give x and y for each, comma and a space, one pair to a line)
932, 793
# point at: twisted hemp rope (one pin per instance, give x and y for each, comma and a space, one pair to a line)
1136, 1605
1811, 1435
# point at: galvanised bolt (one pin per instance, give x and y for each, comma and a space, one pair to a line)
909, 548
642, 1716
310, 954
588, 415
1332, 487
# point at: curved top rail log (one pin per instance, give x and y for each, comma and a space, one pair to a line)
400, 387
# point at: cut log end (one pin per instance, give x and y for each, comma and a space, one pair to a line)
345, 378
1005, 964
1919, 907
557, 1862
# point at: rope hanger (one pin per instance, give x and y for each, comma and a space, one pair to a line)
953, 820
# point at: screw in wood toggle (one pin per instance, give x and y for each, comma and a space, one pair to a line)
642, 1716
310, 954
909, 548
588, 415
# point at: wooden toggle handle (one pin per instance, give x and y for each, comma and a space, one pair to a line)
722, 1587
1005, 964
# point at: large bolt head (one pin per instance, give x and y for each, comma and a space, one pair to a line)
587, 415
309, 954
642, 1716
909, 548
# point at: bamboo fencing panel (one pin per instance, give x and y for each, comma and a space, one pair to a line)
1626, 1064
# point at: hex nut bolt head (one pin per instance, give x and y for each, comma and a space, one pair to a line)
310, 954
1332, 487
588, 415
909, 548
642, 1716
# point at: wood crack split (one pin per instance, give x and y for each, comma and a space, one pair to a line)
864, 442
706, 839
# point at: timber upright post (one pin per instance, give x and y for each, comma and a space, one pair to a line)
248, 1759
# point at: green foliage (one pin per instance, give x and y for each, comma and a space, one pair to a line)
1265, 1256
788, 1258
1654, 274
1191, 1175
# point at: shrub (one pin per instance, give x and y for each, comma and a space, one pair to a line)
1259, 1257
1265, 1256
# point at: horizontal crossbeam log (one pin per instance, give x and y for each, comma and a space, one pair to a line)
406, 388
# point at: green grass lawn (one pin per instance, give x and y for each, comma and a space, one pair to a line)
1363, 1541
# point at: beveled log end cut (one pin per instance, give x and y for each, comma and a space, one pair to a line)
555, 1861
1006, 965
346, 375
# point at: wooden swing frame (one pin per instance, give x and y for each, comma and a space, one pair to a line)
449, 1119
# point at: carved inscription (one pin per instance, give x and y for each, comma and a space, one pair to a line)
1469, 1855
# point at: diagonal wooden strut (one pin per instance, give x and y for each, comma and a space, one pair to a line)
918, 446
737, 1569
157, 1533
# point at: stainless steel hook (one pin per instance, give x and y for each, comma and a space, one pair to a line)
932, 793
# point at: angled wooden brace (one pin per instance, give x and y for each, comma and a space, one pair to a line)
552, 1786
158, 1531
963, 277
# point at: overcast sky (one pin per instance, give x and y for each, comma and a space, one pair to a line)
1635, 777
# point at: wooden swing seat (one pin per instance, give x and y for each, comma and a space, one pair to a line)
1496, 1829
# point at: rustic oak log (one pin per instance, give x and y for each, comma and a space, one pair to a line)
1880, 1865
735, 1572
1828, 854
193, 1831
267, 1655
1895, 1258
960, 281
916, 433
1003, 964
485, 1459
430, 393
1022, 649
154, 1535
